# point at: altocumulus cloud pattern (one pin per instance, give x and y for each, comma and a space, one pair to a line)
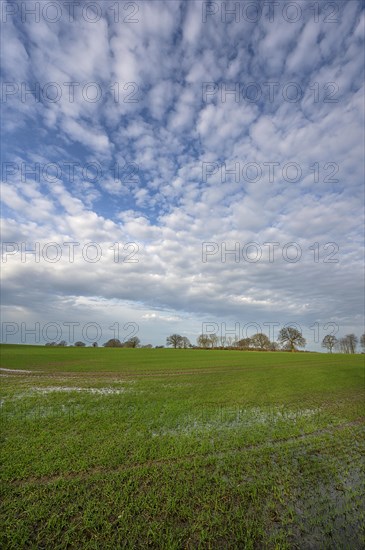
174, 163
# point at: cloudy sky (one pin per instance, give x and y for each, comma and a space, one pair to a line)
178, 166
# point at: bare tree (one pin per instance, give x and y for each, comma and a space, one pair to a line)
291, 338
175, 340
80, 344
349, 343
362, 341
343, 345
133, 342
203, 341
244, 343
185, 342
214, 340
222, 340
260, 341
113, 343
329, 342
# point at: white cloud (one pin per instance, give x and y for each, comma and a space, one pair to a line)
167, 208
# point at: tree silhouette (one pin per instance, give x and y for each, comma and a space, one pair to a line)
291, 338
175, 340
329, 342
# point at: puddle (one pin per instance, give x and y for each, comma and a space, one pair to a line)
16, 371
329, 516
213, 418
95, 391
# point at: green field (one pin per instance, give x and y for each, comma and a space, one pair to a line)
173, 449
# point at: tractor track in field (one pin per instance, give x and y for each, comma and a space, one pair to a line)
140, 375
219, 369
6, 371
74, 476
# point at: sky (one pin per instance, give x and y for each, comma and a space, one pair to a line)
181, 167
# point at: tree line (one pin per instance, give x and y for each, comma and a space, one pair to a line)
133, 342
346, 344
289, 339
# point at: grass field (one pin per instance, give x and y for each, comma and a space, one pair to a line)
173, 449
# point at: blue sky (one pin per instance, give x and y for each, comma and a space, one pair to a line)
184, 125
